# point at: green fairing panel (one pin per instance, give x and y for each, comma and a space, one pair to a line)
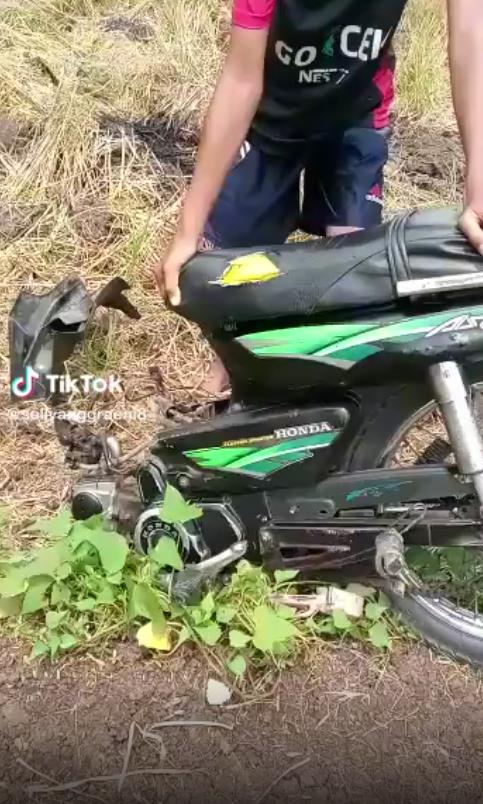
260, 461
218, 457
301, 340
350, 342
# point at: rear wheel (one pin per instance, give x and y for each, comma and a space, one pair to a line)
408, 429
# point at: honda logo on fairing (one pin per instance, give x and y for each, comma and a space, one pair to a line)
304, 429
459, 324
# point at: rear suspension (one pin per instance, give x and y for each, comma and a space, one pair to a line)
452, 396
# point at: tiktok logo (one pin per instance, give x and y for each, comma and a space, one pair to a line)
23, 387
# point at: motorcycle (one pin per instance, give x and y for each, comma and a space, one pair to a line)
335, 349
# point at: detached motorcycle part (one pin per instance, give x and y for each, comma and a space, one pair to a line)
44, 330
112, 296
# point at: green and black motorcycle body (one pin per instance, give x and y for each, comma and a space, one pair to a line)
333, 348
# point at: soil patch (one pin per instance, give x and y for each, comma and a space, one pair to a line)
137, 30
431, 159
91, 218
16, 220
345, 727
171, 144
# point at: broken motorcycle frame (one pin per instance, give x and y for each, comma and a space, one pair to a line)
334, 348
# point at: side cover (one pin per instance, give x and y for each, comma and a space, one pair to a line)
246, 450
44, 330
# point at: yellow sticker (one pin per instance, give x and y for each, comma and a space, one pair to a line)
247, 270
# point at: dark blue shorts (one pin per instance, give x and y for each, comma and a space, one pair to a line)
265, 198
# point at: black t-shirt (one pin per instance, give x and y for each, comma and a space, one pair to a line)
323, 63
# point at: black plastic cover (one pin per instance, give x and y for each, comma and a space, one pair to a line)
45, 329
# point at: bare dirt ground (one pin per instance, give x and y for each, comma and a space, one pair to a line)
343, 727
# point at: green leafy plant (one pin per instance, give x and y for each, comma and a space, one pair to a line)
82, 585
456, 572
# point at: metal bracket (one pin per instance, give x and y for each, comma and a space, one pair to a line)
391, 563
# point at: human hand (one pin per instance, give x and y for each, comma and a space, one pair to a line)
166, 272
471, 224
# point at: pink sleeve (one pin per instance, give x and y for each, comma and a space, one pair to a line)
253, 13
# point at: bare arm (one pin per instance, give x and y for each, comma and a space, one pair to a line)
229, 117
466, 62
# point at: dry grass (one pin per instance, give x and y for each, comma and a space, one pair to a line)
100, 202
84, 195
423, 88
425, 127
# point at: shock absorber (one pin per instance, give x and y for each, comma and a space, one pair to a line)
452, 396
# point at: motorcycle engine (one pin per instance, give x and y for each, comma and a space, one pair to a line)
121, 506
117, 499
132, 505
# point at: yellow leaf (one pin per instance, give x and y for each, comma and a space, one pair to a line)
249, 269
147, 638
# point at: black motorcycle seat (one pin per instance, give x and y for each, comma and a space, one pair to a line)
319, 277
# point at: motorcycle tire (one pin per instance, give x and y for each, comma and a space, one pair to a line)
454, 631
